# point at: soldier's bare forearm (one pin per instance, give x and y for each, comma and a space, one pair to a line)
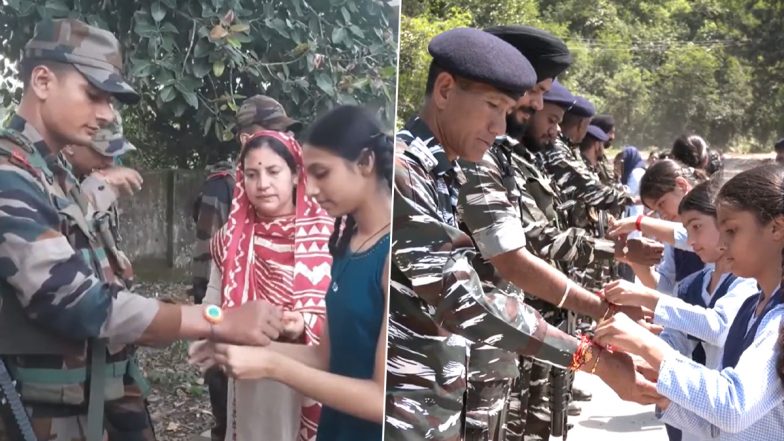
537, 277
174, 322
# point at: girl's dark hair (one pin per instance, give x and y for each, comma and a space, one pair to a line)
759, 191
276, 146
659, 179
701, 198
348, 131
691, 150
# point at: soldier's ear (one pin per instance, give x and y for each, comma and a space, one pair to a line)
41, 81
443, 86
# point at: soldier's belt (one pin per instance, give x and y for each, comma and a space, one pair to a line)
45, 385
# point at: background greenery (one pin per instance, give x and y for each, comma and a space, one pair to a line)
195, 60
661, 67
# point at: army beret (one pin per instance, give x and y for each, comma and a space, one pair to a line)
597, 133
559, 95
582, 107
480, 56
604, 121
547, 53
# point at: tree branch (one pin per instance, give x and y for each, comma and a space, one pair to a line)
190, 46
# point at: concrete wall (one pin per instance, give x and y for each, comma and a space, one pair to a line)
156, 225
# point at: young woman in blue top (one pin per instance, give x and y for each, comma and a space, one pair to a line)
349, 162
743, 400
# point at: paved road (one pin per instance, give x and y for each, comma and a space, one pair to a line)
608, 418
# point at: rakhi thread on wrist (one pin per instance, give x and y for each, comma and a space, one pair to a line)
611, 307
596, 363
583, 354
567, 290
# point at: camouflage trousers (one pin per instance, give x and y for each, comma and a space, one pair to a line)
486, 409
539, 422
126, 419
518, 402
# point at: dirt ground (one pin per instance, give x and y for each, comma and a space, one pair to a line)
179, 402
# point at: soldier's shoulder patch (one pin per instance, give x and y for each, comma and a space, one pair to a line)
420, 151
16, 151
12, 137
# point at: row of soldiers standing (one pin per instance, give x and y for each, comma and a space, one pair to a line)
533, 202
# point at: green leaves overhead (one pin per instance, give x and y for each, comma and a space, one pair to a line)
194, 61
661, 68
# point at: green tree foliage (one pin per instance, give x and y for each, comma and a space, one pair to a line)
194, 62
662, 67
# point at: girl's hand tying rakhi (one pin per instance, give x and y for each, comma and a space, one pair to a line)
293, 325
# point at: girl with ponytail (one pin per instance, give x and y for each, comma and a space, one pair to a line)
348, 161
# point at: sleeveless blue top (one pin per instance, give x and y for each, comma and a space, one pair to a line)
686, 263
355, 310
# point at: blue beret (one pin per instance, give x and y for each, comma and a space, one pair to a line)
479, 56
559, 95
582, 107
597, 133
547, 53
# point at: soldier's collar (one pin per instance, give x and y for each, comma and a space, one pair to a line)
515, 146
19, 124
424, 146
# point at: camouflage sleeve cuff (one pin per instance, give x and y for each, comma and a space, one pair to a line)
502, 237
129, 317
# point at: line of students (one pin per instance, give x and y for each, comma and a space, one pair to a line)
718, 362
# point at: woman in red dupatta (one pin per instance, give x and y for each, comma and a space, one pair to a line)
274, 247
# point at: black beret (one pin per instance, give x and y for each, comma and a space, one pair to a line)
582, 107
559, 95
604, 121
547, 53
779, 144
597, 133
479, 56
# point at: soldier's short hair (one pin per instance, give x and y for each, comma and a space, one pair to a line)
27, 65
432, 74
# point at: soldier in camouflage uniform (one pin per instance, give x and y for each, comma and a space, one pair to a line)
436, 298
101, 183
564, 165
607, 123
63, 304
511, 166
495, 402
210, 212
